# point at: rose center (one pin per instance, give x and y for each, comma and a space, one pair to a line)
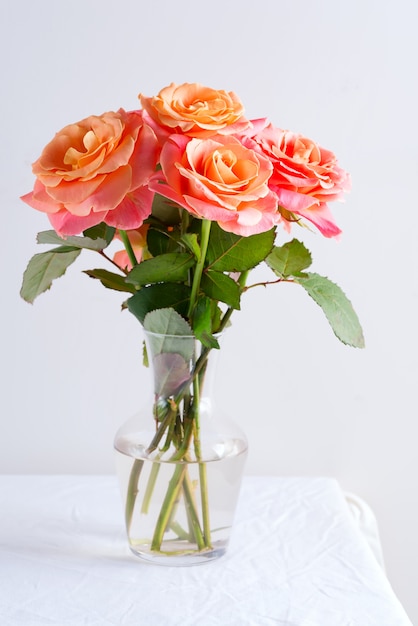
225, 167
73, 156
306, 152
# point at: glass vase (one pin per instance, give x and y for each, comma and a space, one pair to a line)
179, 460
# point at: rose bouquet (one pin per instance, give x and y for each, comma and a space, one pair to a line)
196, 195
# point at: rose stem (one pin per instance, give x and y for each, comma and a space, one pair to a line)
204, 240
169, 500
128, 247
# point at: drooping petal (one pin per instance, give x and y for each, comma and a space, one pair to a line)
208, 210
266, 222
322, 218
66, 224
41, 201
293, 201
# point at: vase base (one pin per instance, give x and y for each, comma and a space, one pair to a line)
182, 558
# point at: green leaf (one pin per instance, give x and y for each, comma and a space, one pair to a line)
165, 210
191, 242
228, 252
51, 237
166, 268
160, 296
221, 288
171, 371
216, 316
289, 259
62, 249
202, 322
42, 269
166, 322
160, 241
170, 330
111, 280
101, 231
336, 306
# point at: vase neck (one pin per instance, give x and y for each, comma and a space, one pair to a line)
180, 366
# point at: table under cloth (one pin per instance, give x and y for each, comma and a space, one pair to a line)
297, 557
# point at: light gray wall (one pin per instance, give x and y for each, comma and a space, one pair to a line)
343, 73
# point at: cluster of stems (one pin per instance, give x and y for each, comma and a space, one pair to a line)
179, 426
178, 429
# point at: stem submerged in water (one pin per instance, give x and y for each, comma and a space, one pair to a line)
172, 494
132, 491
204, 495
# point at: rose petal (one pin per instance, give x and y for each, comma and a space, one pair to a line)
144, 157
208, 210
322, 218
293, 201
74, 192
249, 217
108, 196
66, 224
266, 222
38, 199
132, 211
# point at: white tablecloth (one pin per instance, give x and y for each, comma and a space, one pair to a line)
296, 558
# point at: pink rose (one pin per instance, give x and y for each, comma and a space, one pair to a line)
218, 179
305, 176
96, 171
195, 110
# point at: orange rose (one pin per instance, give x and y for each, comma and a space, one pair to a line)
96, 171
218, 179
195, 110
